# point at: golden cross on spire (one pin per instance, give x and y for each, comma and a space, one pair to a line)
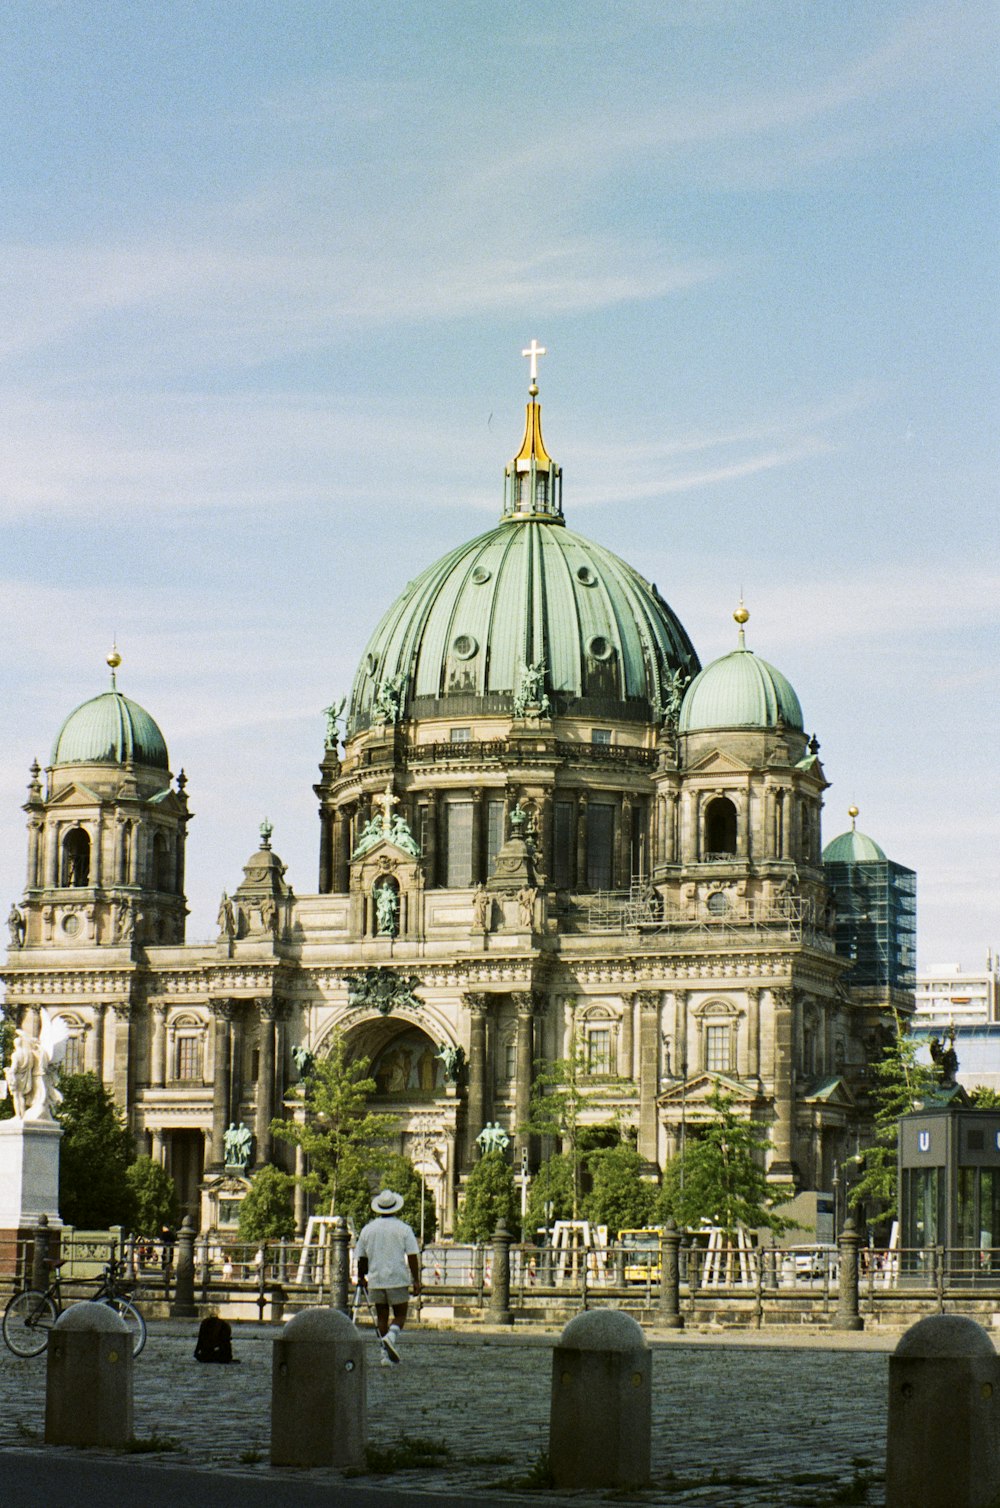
534, 351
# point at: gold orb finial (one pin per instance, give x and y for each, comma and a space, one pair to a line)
852, 812
114, 659
741, 614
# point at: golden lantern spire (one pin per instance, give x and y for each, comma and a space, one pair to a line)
113, 659
741, 616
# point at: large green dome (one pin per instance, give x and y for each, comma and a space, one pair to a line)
110, 729
739, 691
853, 848
528, 592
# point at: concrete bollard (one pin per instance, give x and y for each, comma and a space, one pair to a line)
183, 1304
600, 1421
943, 1446
88, 1380
318, 1392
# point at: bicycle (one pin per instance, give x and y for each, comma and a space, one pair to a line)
30, 1314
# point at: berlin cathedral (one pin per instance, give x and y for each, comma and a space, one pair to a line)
545, 830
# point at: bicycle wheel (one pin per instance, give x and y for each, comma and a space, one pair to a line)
27, 1320
137, 1325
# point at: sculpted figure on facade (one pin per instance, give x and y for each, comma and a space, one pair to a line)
333, 715
530, 691
386, 911
226, 919
15, 922
492, 1138
237, 1142
30, 1074
526, 897
452, 1059
482, 909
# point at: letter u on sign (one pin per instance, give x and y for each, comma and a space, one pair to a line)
924, 1140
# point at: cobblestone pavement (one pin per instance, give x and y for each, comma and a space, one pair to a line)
745, 1421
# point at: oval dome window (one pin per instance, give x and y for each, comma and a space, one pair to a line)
481, 575
600, 648
465, 646
586, 576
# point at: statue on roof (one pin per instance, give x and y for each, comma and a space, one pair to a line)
531, 690
388, 700
492, 1138
333, 715
675, 685
15, 921
945, 1060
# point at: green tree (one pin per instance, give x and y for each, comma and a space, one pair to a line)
723, 1180
399, 1173
619, 1197
984, 1098
490, 1197
900, 1085
154, 1196
94, 1156
267, 1210
551, 1185
345, 1142
558, 1097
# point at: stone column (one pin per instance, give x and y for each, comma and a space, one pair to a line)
626, 1051
524, 1005
783, 1078
475, 1004
478, 837
51, 855
34, 832
627, 821
340, 874
649, 1072
681, 1064
431, 842
326, 822
753, 1034
158, 1024
122, 1080
222, 1011
581, 843
265, 1080
95, 1042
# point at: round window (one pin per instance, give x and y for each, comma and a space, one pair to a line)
71, 924
371, 663
465, 646
481, 575
718, 903
586, 576
600, 648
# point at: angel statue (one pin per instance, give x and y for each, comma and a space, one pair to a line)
333, 715
29, 1076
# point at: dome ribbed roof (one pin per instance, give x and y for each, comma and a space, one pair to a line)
739, 691
110, 729
852, 848
529, 591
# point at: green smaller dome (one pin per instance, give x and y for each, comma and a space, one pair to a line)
110, 729
740, 690
853, 848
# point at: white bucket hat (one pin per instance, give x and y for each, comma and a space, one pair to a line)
387, 1203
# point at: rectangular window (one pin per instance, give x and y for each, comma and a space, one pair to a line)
510, 1060
717, 1040
563, 843
189, 1059
461, 735
600, 844
494, 833
73, 1056
600, 735
459, 857
599, 1051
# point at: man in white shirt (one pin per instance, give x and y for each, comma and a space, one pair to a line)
389, 1268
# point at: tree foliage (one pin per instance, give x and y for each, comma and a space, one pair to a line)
267, 1210
720, 1179
154, 1197
94, 1156
984, 1098
490, 1198
551, 1185
345, 1143
619, 1197
900, 1085
399, 1174
558, 1096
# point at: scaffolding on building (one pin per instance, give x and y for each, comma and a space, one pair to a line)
876, 927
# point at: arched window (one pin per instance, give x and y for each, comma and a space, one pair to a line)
720, 828
76, 857
162, 867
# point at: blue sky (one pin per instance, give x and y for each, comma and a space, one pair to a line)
267, 272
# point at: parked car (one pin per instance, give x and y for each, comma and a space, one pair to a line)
805, 1264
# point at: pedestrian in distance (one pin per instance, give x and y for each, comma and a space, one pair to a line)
388, 1269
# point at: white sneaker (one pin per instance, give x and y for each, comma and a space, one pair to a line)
385, 1361
389, 1347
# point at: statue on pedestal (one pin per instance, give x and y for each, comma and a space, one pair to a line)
30, 1074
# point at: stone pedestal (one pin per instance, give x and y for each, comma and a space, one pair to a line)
29, 1181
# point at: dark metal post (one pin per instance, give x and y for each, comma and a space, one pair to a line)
183, 1303
670, 1277
500, 1310
203, 1268
939, 1276
340, 1238
848, 1316
40, 1254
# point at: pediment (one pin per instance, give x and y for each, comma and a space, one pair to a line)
698, 1091
75, 794
833, 1092
718, 762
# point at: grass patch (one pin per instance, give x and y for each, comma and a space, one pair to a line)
537, 1477
251, 1457
411, 1454
154, 1446
24, 1431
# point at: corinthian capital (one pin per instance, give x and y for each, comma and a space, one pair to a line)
475, 1001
